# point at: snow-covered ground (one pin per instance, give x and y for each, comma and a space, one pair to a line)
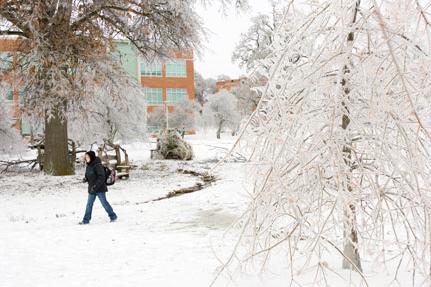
180, 241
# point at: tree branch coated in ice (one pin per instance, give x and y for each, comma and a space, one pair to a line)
340, 141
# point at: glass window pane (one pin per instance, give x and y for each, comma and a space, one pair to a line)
5, 60
176, 68
153, 96
174, 96
21, 96
9, 95
151, 70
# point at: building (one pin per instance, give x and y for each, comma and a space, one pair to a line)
229, 84
165, 83
8, 48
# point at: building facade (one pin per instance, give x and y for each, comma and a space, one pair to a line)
229, 84
164, 83
14, 97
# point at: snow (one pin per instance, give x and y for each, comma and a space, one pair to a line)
174, 242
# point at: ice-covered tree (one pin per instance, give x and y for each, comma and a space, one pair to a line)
157, 118
210, 86
199, 87
255, 44
183, 115
10, 140
223, 77
341, 139
221, 111
110, 121
203, 87
64, 52
248, 97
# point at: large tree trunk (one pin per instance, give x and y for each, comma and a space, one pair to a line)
56, 154
352, 259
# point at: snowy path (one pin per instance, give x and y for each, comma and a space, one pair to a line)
165, 243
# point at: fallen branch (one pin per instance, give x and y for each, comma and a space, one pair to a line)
206, 181
7, 164
236, 156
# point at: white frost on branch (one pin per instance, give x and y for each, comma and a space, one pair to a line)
341, 139
113, 111
221, 111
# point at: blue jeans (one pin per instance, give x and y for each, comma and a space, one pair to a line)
103, 201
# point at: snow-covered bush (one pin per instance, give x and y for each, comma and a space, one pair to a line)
171, 146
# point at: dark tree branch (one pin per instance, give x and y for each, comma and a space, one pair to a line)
8, 32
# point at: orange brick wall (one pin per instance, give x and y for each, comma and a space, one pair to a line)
173, 82
228, 84
8, 45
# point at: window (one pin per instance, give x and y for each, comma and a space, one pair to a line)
9, 95
21, 96
176, 95
153, 96
5, 60
151, 70
176, 69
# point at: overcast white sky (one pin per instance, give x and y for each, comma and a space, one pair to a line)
224, 33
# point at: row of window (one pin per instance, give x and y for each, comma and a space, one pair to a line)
9, 95
5, 60
154, 96
175, 68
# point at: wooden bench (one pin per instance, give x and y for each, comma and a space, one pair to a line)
122, 167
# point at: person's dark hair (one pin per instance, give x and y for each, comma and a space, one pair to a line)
91, 154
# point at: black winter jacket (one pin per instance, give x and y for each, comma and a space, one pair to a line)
95, 176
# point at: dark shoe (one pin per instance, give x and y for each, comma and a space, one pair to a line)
114, 219
83, 222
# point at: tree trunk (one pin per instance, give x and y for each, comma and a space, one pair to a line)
219, 129
56, 154
352, 259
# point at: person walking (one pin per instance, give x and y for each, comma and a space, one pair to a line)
95, 176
